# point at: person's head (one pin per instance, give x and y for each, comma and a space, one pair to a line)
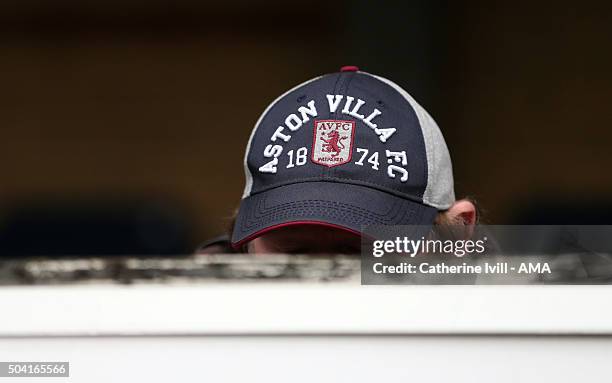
339, 153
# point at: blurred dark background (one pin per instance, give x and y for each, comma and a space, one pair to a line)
124, 122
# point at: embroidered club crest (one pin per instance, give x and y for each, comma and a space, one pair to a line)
333, 142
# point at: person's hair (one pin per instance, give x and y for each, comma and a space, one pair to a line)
442, 219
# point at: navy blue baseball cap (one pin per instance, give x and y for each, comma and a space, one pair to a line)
346, 150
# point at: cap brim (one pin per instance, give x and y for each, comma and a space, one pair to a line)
346, 206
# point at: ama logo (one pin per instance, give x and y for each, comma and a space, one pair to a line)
333, 142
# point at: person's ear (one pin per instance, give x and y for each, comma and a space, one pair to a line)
462, 212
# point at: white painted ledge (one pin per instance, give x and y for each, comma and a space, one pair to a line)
300, 308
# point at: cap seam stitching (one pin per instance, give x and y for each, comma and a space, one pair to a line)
344, 180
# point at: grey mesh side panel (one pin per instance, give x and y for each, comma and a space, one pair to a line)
247, 173
440, 192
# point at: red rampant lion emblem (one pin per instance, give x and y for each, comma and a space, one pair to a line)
333, 141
